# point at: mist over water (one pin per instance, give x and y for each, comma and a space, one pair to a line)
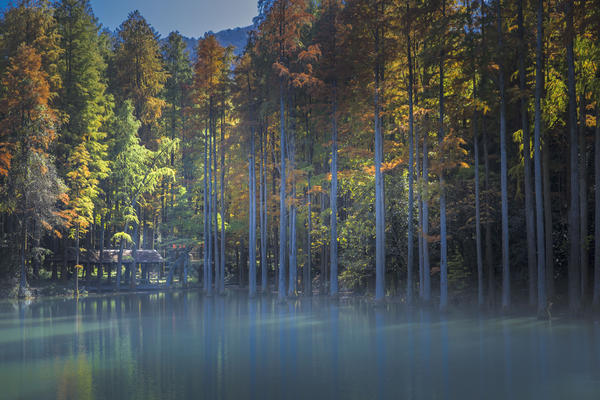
184, 345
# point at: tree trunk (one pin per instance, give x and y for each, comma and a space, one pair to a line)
574, 223
425, 229
548, 241
539, 201
379, 186
489, 251
443, 237
252, 225
293, 265
529, 213
282, 196
101, 250
76, 291
323, 278
263, 218
209, 276
503, 171
410, 244
23, 273
583, 204
596, 299
205, 238
333, 276
215, 210
308, 266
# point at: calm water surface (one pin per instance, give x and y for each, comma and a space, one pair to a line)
183, 345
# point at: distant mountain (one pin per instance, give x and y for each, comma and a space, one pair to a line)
236, 37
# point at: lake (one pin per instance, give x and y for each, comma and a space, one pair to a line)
182, 345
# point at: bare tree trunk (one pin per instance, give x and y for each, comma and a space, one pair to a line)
379, 184
491, 270
574, 222
596, 299
308, 266
548, 242
215, 210
101, 250
293, 265
323, 278
443, 236
209, 276
539, 201
205, 239
503, 171
252, 225
76, 292
410, 244
263, 217
222, 257
425, 229
529, 212
23, 273
282, 197
583, 204
333, 281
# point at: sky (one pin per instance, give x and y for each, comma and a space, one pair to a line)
191, 18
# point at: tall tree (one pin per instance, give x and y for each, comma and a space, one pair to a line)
529, 213
503, 165
410, 262
139, 73
443, 233
574, 222
32, 187
539, 201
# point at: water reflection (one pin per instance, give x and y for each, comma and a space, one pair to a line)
184, 345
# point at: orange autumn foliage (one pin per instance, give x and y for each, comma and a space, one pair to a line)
28, 118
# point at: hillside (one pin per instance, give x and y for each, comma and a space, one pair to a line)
235, 37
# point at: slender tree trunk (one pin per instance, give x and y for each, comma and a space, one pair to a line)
215, 209
23, 273
282, 196
539, 201
209, 277
333, 281
596, 299
76, 291
379, 185
252, 227
206, 246
548, 242
410, 261
101, 249
475, 122
263, 217
443, 236
308, 266
583, 204
574, 223
293, 265
222, 257
420, 205
529, 213
489, 252
425, 229
323, 277
503, 171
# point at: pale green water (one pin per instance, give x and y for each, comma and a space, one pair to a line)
182, 345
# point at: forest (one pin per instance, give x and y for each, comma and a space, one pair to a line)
443, 153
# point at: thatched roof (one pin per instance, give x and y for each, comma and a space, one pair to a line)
143, 256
